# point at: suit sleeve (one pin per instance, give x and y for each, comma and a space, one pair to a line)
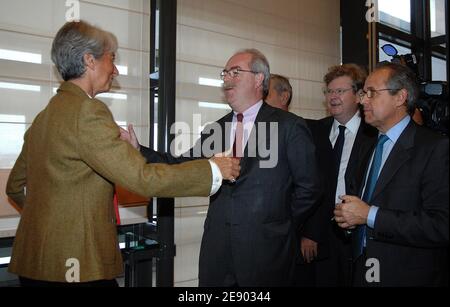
302, 163
428, 226
194, 153
317, 224
117, 161
15, 187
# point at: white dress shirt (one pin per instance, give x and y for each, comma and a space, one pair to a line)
351, 130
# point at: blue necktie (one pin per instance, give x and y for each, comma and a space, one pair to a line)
360, 232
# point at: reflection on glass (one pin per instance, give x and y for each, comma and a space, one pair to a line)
113, 96
5, 260
211, 105
210, 82
123, 70
384, 57
20, 87
395, 13
19, 56
105, 95
437, 17
12, 129
438, 69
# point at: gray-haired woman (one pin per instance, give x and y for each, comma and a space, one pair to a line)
71, 158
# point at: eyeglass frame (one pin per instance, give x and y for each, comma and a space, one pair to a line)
363, 93
237, 71
338, 91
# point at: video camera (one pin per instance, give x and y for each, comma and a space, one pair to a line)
433, 100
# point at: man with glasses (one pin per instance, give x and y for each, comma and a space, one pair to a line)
325, 247
401, 212
249, 234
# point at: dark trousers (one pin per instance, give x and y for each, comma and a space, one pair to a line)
26, 282
333, 271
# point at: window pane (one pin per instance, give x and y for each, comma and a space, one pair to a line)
395, 13
437, 17
384, 57
12, 129
438, 69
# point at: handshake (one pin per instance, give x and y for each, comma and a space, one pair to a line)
229, 167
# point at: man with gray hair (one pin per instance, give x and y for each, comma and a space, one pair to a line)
249, 234
280, 93
401, 212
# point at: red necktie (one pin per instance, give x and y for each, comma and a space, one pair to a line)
238, 137
116, 208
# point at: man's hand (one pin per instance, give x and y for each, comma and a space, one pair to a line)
229, 167
351, 212
309, 249
129, 136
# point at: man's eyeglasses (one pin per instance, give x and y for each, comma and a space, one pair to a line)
234, 72
371, 92
338, 91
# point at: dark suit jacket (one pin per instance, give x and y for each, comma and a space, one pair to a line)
411, 233
318, 226
250, 226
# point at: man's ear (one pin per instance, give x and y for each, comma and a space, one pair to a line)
402, 97
259, 79
89, 61
285, 97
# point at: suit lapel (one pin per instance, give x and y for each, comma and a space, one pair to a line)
399, 155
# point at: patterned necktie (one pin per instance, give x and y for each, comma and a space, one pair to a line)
360, 233
338, 147
238, 137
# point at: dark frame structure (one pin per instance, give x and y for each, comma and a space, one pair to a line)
356, 36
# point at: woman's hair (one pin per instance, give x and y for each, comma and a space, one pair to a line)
73, 41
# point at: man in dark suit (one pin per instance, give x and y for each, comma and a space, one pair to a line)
325, 247
249, 234
402, 211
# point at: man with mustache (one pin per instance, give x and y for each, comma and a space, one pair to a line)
338, 138
401, 212
249, 234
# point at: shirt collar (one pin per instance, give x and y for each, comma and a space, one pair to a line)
252, 111
352, 125
395, 132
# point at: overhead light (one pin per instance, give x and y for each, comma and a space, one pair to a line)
210, 82
19, 56
20, 87
211, 105
123, 70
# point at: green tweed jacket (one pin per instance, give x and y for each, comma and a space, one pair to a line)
64, 180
